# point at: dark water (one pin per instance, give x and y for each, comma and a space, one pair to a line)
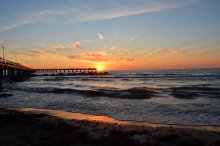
189, 97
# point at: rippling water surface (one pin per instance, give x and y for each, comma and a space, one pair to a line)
189, 97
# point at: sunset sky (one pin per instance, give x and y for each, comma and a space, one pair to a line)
116, 34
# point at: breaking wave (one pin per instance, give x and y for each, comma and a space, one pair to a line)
131, 93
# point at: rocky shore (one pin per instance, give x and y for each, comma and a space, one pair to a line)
40, 127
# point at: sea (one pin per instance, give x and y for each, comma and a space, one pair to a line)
180, 96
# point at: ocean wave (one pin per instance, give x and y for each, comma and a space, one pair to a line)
189, 92
197, 88
131, 77
131, 93
55, 79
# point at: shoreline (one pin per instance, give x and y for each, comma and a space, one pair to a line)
110, 120
97, 130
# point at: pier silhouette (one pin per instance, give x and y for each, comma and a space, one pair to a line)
67, 70
9, 69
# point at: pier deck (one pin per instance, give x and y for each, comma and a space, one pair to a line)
67, 70
10, 68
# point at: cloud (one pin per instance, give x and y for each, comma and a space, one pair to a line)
59, 47
101, 36
115, 48
38, 53
42, 16
130, 8
171, 51
132, 38
82, 12
72, 46
96, 56
15, 24
100, 56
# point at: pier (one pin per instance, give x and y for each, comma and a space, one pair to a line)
67, 70
11, 69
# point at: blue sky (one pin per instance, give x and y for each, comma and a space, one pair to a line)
72, 29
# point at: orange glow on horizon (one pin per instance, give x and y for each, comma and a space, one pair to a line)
147, 61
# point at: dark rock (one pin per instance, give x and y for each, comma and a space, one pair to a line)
216, 143
176, 140
190, 142
5, 95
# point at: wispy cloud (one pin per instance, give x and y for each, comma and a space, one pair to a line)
171, 51
115, 48
130, 8
100, 56
84, 12
96, 56
71, 46
42, 16
39, 53
109, 55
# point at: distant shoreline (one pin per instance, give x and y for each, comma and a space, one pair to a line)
66, 128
